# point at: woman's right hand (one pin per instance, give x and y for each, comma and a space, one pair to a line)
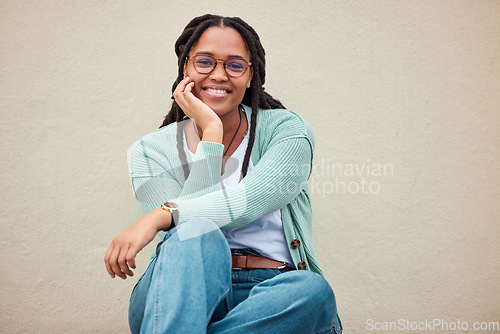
195, 109
120, 257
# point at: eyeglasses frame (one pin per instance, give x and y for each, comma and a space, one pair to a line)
223, 61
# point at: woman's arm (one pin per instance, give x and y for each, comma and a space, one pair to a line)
279, 176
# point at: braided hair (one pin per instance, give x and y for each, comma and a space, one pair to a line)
255, 96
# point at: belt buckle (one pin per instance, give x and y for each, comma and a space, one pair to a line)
282, 266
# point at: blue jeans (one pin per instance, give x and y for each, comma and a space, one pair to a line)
190, 287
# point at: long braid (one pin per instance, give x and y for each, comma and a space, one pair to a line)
255, 96
253, 125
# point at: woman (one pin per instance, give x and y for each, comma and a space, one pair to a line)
223, 182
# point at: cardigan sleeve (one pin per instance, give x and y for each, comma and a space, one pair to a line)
152, 175
157, 174
280, 175
205, 170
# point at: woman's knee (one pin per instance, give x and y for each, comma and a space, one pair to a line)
305, 294
197, 227
197, 236
194, 228
311, 288
315, 283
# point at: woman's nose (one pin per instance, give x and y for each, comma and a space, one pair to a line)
219, 73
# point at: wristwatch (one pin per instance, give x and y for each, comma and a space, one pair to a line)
173, 208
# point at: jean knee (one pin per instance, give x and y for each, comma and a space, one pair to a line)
314, 287
194, 235
197, 227
199, 240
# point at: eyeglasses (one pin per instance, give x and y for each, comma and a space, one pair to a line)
234, 67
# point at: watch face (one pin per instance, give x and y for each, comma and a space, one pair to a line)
171, 205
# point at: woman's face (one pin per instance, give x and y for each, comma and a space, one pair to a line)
221, 92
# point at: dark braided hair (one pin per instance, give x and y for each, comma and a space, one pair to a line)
255, 96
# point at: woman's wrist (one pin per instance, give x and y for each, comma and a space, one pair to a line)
213, 133
161, 219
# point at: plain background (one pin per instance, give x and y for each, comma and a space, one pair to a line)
404, 100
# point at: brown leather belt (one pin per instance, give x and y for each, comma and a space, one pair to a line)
258, 262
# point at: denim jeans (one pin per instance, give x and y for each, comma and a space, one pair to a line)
190, 287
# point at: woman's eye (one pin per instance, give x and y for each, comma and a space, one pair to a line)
235, 65
204, 62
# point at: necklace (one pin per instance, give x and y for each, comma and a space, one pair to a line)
237, 129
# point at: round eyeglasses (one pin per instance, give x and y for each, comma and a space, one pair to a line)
234, 67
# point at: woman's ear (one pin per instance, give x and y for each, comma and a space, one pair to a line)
249, 82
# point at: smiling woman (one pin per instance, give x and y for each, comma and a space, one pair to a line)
223, 182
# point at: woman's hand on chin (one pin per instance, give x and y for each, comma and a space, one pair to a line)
194, 108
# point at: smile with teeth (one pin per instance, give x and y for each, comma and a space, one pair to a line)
217, 91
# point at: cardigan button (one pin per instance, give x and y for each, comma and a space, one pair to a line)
302, 265
295, 244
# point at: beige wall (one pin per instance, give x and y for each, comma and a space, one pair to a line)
402, 95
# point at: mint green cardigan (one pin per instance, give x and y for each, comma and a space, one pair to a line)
282, 155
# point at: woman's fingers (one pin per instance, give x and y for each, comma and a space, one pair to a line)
178, 94
107, 261
118, 258
184, 97
122, 262
111, 261
189, 87
182, 84
130, 257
